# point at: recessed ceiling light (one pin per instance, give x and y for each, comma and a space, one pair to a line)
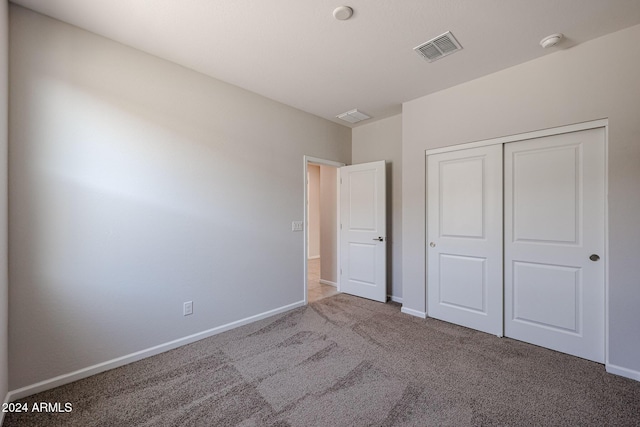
353, 116
342, 13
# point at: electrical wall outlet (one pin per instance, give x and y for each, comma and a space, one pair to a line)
187, 308
296, 226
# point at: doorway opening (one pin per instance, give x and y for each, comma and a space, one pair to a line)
321, 229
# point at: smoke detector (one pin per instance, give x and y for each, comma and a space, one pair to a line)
551, 40
353, 116
342, 13
438, 47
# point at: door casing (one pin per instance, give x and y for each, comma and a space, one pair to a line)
318, 161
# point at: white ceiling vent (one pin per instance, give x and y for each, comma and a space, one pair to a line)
439, 47
353, 116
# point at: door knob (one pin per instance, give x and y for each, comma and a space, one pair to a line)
432, 244
594, 257
379, 239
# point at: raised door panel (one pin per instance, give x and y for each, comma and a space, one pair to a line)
547, 296
362, 263
463, 282
546, 202
362, 203
462, 199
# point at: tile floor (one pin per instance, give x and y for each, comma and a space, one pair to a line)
316, 289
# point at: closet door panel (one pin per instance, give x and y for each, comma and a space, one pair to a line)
554, 242
464, 238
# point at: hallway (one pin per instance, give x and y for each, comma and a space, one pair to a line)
317, 290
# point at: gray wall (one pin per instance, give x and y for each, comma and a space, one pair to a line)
595, 80
136, 185
382, 140
4, 308
329, 224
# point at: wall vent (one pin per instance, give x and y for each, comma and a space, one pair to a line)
439, 47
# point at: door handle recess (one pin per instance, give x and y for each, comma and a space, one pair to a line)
379, 239
594, 257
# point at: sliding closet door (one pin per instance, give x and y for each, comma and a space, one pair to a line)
554, 242
464, 240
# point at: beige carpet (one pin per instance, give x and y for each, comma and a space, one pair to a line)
345, 361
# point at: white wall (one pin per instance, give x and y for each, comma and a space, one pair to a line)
595, 80
328, 224
136, 185
313, 211
382, 140
4, 308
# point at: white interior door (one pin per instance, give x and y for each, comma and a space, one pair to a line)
554, 242
363, 231
465, 238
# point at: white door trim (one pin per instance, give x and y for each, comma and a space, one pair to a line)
519, 137
317, 161
604, 123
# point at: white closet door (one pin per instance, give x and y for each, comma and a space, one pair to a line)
464, 241
554, 242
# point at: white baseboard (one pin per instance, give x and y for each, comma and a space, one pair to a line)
328, 282
313, 257
394, 299
413, 312
142, 354
623, 372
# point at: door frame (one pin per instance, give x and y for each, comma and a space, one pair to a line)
599, 123
318, 161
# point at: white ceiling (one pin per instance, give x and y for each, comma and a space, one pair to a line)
295, 52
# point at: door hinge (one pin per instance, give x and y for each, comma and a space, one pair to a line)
340, 226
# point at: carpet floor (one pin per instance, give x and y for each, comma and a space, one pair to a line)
346, 361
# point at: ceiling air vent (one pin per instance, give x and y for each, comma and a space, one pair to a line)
353, 116
439, 47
